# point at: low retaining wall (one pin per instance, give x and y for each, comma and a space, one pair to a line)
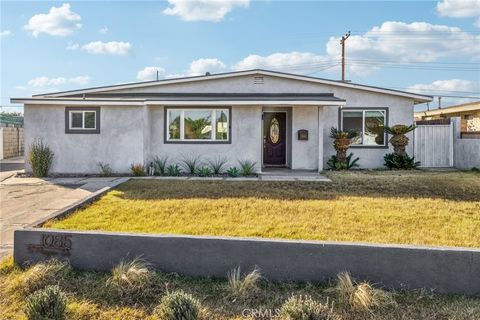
446, 270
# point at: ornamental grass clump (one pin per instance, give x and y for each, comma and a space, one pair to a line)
159, 165
46, 304
217, 165
137, 169
247, 167
243, 286
306, 308
359, 296
41, 275
131, 280
177, 306
191, 163
40, 158
105, 169
174, 170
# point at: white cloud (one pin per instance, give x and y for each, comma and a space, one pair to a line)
21, 88
459, 8
103, 30
402, 43
202, 66
59, 21
150, 73
449, 87
112, 47
5, 33
72, 46
203, 10
290, 61
42, 82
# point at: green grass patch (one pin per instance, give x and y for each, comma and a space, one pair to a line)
402, 207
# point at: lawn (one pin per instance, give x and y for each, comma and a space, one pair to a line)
416, 207
89, 297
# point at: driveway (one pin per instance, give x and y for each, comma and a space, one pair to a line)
9, 167
24, 201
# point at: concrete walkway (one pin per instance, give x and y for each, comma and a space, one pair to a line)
9, 167
24, 201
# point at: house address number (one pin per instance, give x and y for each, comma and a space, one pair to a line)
52, 244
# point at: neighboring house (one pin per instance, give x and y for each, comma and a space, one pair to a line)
469, 114
11, 135
272, 118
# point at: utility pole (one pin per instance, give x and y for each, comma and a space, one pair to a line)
342, 43
157, 74
439, 102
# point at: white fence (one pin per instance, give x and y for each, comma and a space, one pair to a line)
433, 145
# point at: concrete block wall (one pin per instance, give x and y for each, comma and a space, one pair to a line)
12, 142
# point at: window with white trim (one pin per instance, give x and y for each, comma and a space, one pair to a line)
367, 123
198, 125
82, 120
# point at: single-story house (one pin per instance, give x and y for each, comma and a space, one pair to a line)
469, 114
272, 118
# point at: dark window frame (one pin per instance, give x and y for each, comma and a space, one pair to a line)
82, 131
362, 146
165, 125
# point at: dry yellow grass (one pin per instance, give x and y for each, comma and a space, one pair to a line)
422, 208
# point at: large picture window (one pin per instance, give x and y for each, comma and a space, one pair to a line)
368, 123
198, 125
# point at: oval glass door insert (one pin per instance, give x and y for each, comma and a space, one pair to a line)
274, 131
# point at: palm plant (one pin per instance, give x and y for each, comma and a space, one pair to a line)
343, 140
399, 139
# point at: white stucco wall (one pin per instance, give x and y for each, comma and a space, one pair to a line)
136, 134
119, 143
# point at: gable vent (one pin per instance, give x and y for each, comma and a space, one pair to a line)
258, 80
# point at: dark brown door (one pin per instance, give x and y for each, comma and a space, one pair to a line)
274, 138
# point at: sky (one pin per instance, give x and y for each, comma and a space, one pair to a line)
430, 47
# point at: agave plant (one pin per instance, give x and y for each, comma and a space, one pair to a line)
342, 142
398, 140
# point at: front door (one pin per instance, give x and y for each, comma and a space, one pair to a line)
274, 138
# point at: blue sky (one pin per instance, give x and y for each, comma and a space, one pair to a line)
431, 47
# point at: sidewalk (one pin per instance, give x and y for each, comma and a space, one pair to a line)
9, 167
27, 200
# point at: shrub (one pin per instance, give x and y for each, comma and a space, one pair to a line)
217, 164
174, 170
306, 308
395, 161
46, 304
359, 296
204, 172
178, 306
137, 169
40, 158
341, 143
334, 164
131, 280
190, 163
105, 169
159, 165
241, 287
247, 166
399, 140
43, 274
233, 172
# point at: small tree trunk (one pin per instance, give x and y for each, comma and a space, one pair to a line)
399, 142
341, 146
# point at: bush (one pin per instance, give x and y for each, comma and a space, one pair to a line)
233, 172
137, 169
241, 287
247, 166
359, 296
334, 164
105, 169
305, 308
43, 274
404, 162
191, 163
174, 170
40, 158
131, 280
46, 304
204, 172
178, 306
159, 165
217, 164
